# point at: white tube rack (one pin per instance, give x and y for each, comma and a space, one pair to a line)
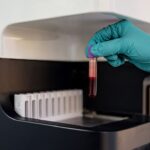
50, 106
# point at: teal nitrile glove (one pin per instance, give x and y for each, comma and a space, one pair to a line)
121, 41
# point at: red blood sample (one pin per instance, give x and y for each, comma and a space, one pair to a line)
92, 77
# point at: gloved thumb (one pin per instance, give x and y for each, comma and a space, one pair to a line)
108, 48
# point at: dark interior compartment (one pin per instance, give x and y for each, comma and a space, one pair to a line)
119, 89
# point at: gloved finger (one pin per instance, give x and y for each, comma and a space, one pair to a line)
116, 63
111, 32
111, 57
90, 44
104, 34
113, 47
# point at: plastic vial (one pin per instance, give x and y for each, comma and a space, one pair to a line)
92, 77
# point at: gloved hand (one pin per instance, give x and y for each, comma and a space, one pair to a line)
121, 41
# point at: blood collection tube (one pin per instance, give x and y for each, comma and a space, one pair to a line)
92, 76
